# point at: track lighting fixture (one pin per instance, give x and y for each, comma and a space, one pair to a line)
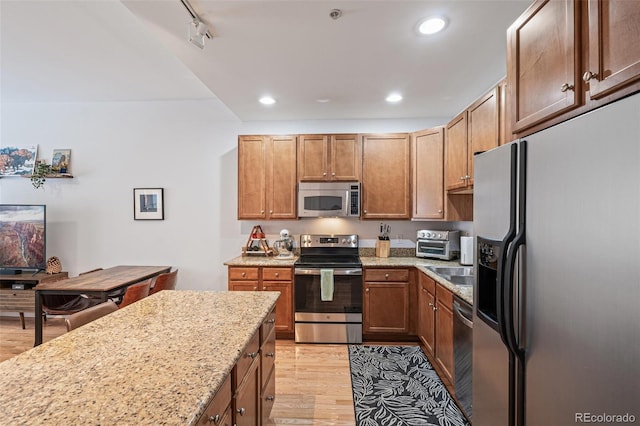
198, 30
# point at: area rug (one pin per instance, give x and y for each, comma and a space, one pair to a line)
397, 386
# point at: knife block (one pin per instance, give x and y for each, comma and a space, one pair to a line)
383, 247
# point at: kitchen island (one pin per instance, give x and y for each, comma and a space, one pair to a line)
158, 361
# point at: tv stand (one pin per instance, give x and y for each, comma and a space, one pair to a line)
17, 292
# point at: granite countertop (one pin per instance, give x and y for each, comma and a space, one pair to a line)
158, 361
466, 293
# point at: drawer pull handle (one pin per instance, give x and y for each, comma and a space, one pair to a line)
214, 419
241, 411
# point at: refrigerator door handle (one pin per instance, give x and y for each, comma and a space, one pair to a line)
509, 237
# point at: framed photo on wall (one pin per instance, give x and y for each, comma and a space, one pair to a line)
17, 160
148, 203
61, 160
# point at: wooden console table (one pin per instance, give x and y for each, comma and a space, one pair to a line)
22, 299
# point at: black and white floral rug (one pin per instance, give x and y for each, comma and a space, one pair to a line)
397, 386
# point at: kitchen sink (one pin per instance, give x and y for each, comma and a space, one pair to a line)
458, 275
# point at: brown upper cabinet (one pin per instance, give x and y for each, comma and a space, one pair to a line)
386, 176
267, 177
329, 158
566, 57
427, 148
477, 129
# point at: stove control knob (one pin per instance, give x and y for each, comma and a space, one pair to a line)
344, 241
439, 235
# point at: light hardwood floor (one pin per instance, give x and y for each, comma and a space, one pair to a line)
313, 382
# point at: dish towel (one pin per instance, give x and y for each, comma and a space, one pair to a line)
326, 285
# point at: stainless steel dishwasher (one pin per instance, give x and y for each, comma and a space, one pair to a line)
462, 352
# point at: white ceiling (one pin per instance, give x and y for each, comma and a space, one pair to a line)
136, 50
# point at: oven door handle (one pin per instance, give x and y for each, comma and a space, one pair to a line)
316, 271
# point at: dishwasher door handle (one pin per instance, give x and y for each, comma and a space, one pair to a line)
457, 309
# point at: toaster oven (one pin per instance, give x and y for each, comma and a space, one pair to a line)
443, 245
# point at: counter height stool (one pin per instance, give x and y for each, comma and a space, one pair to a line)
86, 316
166, 281
135, 292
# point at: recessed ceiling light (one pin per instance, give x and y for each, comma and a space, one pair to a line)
323, 100
432, 25
267, 100
394, 97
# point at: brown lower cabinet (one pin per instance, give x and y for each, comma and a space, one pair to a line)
247, 395
259, 278
387, 301
435, 323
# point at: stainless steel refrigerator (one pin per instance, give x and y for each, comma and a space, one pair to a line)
556, 327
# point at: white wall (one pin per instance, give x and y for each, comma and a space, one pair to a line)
186, 147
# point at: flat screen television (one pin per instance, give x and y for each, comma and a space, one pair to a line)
22, 238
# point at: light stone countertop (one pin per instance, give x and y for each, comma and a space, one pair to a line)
466, 293
158, 361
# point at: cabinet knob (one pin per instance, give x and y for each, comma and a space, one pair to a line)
431, 304
252, 355
241, 411
270, 211
588, 76
324, 174
365, 212
367, 290
440, 211
261, 211
566, 87
270, 398
386, 276
333, 174
244, 274
214, 419
277, 274
271, 321
265, 288
255, 289
271, 355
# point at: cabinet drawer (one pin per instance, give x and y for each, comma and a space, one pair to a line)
17, 300
239, 273
217, 408
268, 397
427, 283
268, 356
250, 353
277, 274
386, 275
444, 296
268, 325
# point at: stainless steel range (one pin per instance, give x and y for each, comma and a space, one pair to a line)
328, 290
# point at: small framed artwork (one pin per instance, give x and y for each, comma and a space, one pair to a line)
148, 203
60, 160
17, 160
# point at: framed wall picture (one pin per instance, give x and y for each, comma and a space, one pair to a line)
17, 161
148, 203
61, 160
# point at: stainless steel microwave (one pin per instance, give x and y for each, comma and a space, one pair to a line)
329, 199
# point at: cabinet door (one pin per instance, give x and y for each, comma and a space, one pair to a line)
386, 307
281, 178
426, 315
484, 131
456, 153
252, 202
284, 305
346, 158
614, 45
313, 158
428, 174
542, 62
386, 172
247, 399
444, 330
